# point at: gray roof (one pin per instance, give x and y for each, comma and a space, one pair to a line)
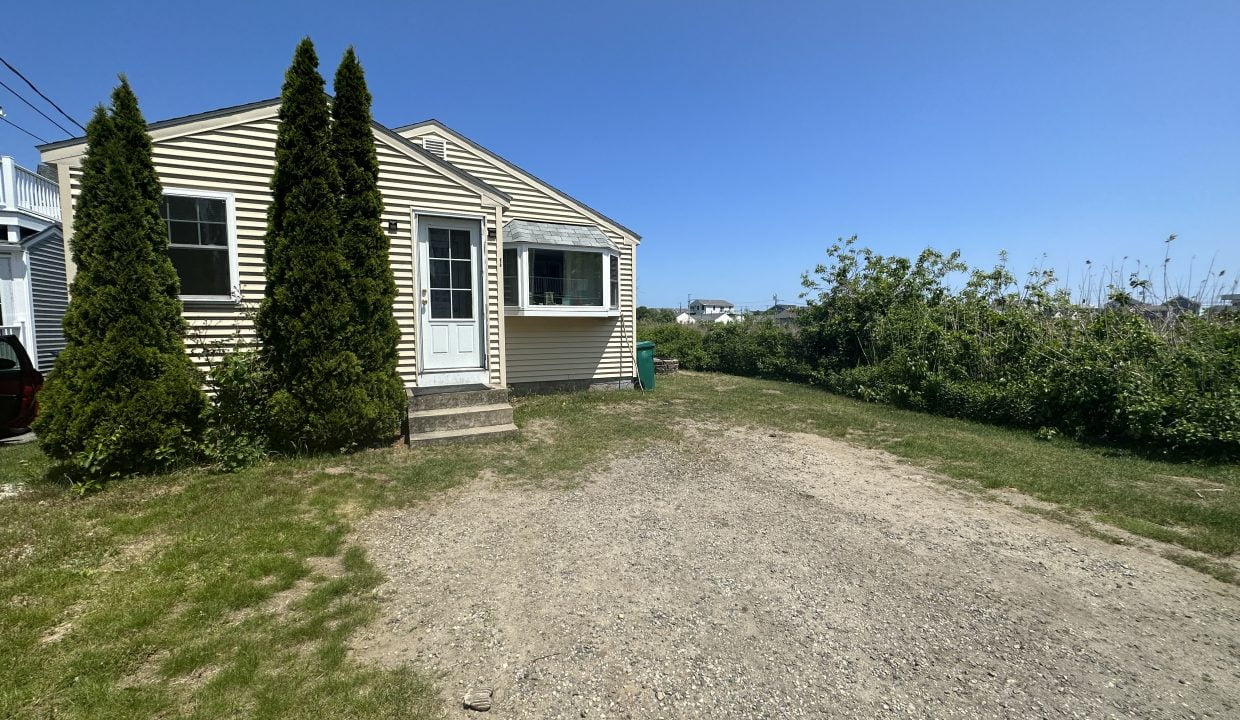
528, 231
712, 317
721, 303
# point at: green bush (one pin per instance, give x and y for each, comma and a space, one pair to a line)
123, 396
671, 340
239, 415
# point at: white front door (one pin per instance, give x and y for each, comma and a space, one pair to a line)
450, 308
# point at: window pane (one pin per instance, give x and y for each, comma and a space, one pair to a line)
510, 277
181, 208
182, 233
460, 245
440, 273
462, 304
615, 281
583, 279
559, 277
212, 234
203, 271
441, 304
438, 242
546, 277
211, 210
460, 275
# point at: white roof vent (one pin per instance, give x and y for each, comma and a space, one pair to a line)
436, 146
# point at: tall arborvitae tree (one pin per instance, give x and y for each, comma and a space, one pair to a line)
123, 396
373, 332
304, 320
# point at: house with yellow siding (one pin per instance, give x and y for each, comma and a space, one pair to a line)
503, 280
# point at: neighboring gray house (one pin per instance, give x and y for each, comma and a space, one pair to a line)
33, 287
709, 307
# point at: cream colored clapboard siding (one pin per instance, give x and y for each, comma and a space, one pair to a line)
239, 159
548, 349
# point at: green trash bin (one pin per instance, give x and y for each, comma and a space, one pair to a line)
645, 364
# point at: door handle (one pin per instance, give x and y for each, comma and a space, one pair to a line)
425, 296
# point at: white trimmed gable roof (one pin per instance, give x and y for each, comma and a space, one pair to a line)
239, 114
437, 128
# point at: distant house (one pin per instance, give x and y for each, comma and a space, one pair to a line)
709, 307
1230, 303
33, 289
685, 318
720, 318
788, 316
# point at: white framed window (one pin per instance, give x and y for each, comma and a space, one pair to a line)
202, 243
560, 280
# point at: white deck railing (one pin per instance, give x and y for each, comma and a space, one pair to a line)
11, 330
26, 191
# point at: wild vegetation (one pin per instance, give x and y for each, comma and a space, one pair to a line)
1164, 380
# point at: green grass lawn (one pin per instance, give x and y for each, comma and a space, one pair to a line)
211, 595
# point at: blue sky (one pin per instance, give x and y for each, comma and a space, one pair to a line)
740, 139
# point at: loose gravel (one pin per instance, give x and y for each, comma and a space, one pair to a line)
750, 574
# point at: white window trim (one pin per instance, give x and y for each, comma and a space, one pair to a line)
525, 309
234, 275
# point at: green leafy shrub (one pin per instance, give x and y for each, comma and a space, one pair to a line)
239, 414
683, 342
123, 396
894, 330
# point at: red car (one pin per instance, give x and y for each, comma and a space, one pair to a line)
19, 384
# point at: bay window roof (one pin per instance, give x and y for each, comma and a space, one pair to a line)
545, 233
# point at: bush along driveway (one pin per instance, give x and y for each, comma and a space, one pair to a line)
289, 588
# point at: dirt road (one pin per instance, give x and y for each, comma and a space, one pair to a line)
751, 575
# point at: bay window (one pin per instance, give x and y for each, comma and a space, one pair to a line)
549, 280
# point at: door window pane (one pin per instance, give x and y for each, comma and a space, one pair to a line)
462, 304
441, 304
461, 275
564, 277
460, 245
440, 274
438, 238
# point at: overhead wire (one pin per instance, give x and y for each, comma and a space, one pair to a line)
40, 93
19, 127
32, 107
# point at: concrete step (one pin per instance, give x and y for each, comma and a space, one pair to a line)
429, 400
460, 418
473, 434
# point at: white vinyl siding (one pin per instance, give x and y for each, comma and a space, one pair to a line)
557, 348
49, 296
239, 159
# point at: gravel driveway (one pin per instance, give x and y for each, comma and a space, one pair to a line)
759, 575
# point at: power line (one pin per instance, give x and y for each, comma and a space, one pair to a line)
19, 127
40, 92
32, 107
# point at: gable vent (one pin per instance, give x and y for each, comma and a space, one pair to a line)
436, 147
